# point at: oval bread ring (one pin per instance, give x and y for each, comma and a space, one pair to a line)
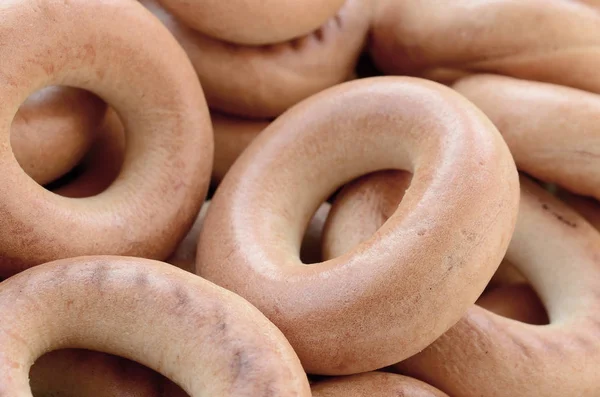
219, 345
518, 302
374, 384
74, 372
252, 233
53, 130
232, 136
558, 252
551, 130
101, 166
152, 204
587, 207
184, 256
420, 37
254, 22
263, 82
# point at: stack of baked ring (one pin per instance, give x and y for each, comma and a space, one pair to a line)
429, 231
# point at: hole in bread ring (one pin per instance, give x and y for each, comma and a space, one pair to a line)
219, 345
558, 252
359, 312
155, 91
374, 384
53, 130
262, 82
254, 22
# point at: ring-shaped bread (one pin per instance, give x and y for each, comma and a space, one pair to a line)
358, 312
206, 339
102, 47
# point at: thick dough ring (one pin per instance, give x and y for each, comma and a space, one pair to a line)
556, 41
254, 22
53, 130
263, 82
551, 130
374, 384
218, 344
154, 88
558, 252
331, 311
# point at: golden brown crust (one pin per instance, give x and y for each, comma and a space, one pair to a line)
254, 22
262, 82
471, 36
374, 384
552, 131
219, 345
53, 130
169, 138
329, 311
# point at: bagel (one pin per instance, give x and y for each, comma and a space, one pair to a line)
330, 311
254, 22
232, 135
374, 384
81, 373
262, 82
219, 345
558, 251
155, 91
551, 130
101, 166
53, 129
427, 39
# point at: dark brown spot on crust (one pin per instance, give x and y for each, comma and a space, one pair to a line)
558, 216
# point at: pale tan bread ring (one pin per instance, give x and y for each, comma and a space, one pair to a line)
425, 38
82, 373
374, 384
486, 354
102, 164
551, 130
263, 82
53, 130
218, 344
254, 22
232, 136
350, 314
154, 89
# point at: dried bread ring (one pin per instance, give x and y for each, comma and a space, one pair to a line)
219, 344
329, 311
167, 166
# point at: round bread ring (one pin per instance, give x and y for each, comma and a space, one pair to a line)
82, 373
330, 311
517, 301
374, 384
524, 360
588, 207
219, 344
551, 130
101, 166
232, 136
421, 38
254, 22
169, 135
263, 82
53, 130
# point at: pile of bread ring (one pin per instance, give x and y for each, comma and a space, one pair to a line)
331, 198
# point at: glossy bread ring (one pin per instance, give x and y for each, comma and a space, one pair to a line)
423, 38
374, 384
551, 130
219, 345
53, 130
263, 82
254, 22
558, 252
169, 138
330, 311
